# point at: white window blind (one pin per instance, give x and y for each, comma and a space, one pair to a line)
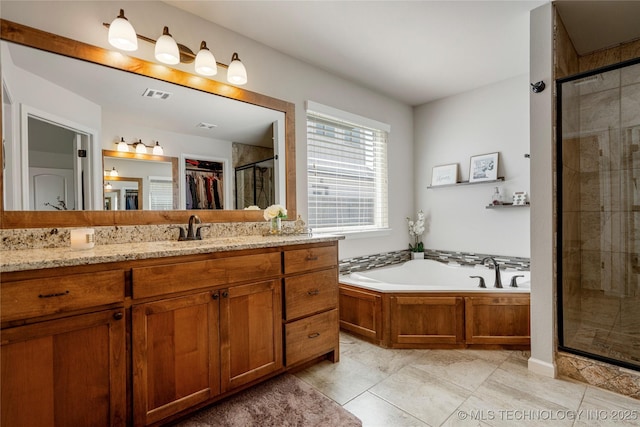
160, 193
347, 171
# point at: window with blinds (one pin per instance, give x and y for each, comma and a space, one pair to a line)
347, 171
160, 194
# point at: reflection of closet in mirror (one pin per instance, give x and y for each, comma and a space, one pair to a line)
204, 183
254, 184
123, 193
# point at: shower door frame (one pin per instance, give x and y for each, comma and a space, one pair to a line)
559, 214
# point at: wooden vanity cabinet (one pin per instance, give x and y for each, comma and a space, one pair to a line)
189, 349
311, 321
63, 350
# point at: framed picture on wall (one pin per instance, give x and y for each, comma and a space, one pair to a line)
444, 175
483, 167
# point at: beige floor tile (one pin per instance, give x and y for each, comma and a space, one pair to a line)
424, 396
376, 412
458, 367
514, 375
385, 361
341, 381
604, 408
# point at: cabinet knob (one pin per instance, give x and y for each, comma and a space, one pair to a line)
119, 315
225, 294
215, 295
313, 292
314, 335
312, 258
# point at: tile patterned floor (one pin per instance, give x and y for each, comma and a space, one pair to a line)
397, 388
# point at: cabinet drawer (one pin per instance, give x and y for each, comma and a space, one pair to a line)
310, 293
40, 297
299, 260
311, 337
185, 276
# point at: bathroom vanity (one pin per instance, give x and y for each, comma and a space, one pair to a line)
143, 333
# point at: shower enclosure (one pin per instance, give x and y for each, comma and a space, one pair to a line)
255, 184
598, 173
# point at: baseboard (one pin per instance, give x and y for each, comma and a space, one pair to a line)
542, 368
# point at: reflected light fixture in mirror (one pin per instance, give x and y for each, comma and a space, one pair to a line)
122, 36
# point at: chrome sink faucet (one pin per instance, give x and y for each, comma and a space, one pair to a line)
496, 267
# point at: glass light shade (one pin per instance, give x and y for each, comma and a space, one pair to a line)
157, 149
167, 50
122, 35
108, 186
123, 146
141, 148
236, 73
113, 172
206, 62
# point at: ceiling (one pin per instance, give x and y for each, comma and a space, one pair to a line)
415, 51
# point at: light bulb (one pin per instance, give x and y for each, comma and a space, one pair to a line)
123, 146
141, 148
167, 50
236, 73
157, 149
122, 35
205, 61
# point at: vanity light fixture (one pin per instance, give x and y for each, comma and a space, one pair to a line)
167, 50
122, 36
108, 186
113, 172
139, 147
157, 149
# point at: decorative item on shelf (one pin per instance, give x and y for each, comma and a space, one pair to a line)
496, 198
139, 147
519, 198
123, 36
275, 214
416, 229
483, 167
444, 175
298, 225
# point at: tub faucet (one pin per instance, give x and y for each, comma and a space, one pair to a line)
496, 267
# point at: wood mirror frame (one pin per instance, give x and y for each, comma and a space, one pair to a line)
49, 42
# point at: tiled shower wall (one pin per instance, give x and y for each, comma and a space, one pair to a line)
601, 219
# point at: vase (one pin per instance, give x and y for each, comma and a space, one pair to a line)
276, 225
417, 255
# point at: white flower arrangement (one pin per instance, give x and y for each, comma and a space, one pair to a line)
275, 211
416, 229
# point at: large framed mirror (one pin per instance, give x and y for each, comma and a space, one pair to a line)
248, 128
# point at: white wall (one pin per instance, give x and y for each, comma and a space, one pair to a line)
269, 71
543, 301
489, 119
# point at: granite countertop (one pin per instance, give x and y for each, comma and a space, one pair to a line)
32, 259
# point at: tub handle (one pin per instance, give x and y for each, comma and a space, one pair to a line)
482, 284
313, 292
514, 282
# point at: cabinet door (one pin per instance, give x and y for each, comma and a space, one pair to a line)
251, 332
427, 320
175, 355
498, 320
66, 372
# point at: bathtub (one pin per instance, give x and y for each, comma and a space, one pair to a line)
435, 276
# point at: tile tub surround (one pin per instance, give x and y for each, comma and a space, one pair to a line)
39, 238
33, 259
367, 262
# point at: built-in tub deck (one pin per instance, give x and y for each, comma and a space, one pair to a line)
429, 304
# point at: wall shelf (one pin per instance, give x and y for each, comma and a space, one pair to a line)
507, 206
500, 179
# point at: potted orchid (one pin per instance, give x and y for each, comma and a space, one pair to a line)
275, 214
416, 229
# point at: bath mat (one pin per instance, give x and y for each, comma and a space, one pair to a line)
282, 401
